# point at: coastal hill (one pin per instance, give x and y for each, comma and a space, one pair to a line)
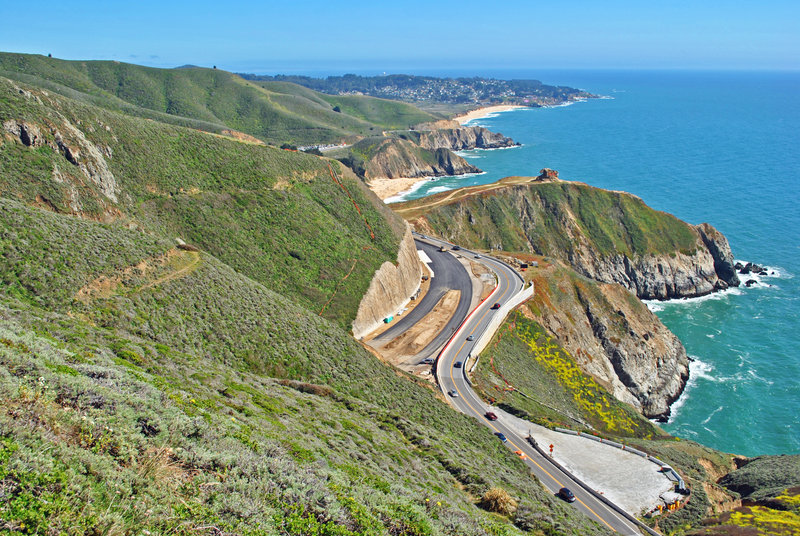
278, 113
175, 351
607, 236
215, 100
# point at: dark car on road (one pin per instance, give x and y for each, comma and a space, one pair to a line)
501, 437
566, 494
470, 338
457, 364
456, 248
491, 416
496, 306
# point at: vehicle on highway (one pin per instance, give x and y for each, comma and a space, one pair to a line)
470, 338
477, 256
566, 494
496, 306
491, 416
456, 248
441, 248
457, 364
453, 393
521, 454
426, 361
501, 437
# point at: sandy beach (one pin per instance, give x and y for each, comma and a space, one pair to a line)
486, 110
385, 188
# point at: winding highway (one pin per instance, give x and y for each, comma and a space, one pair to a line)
451, 374
449, 274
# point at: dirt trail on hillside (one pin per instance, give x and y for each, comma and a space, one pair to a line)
106, 286
195, 260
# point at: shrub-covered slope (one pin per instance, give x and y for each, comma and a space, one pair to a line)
609, 236
212, 99
152, 388
300, 224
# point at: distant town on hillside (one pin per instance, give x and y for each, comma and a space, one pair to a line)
420, 89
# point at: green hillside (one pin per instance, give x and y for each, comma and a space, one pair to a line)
545, 218
148, 387
276, 216
213, 100
167, 388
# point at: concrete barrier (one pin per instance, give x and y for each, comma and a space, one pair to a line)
591, 490
498, 318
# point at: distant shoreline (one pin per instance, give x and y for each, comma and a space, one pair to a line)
484, 111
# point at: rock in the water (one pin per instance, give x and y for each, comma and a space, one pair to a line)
750, 282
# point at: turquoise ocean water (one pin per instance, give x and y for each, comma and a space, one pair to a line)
722, 148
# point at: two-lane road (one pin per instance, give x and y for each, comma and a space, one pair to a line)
453, 379
449, 274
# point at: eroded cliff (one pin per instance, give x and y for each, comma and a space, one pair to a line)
464, 138
392, 287
612, 336
394, 158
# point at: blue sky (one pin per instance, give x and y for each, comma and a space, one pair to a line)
411, 36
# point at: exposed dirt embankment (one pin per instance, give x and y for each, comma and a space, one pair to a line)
392, 287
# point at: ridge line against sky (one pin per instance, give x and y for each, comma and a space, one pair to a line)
270, 37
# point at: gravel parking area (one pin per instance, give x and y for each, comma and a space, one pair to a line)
632, 482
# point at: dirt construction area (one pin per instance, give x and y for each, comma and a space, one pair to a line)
406, 350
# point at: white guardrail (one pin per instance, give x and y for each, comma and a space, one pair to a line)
498, 318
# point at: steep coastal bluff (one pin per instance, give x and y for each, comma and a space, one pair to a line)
392, 286
598, 251
612, 237
612, 336
462, 138
394, 158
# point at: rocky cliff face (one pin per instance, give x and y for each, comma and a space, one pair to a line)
611, 237
659, 277
463, 138
400, 158
392, 287
613, 337
84, 163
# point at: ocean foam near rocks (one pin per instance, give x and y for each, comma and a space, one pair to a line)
697, 370
437, 189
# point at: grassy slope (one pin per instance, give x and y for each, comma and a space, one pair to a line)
153, 403
551, 388
533, 217
770, 485
211, 99
273, 215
